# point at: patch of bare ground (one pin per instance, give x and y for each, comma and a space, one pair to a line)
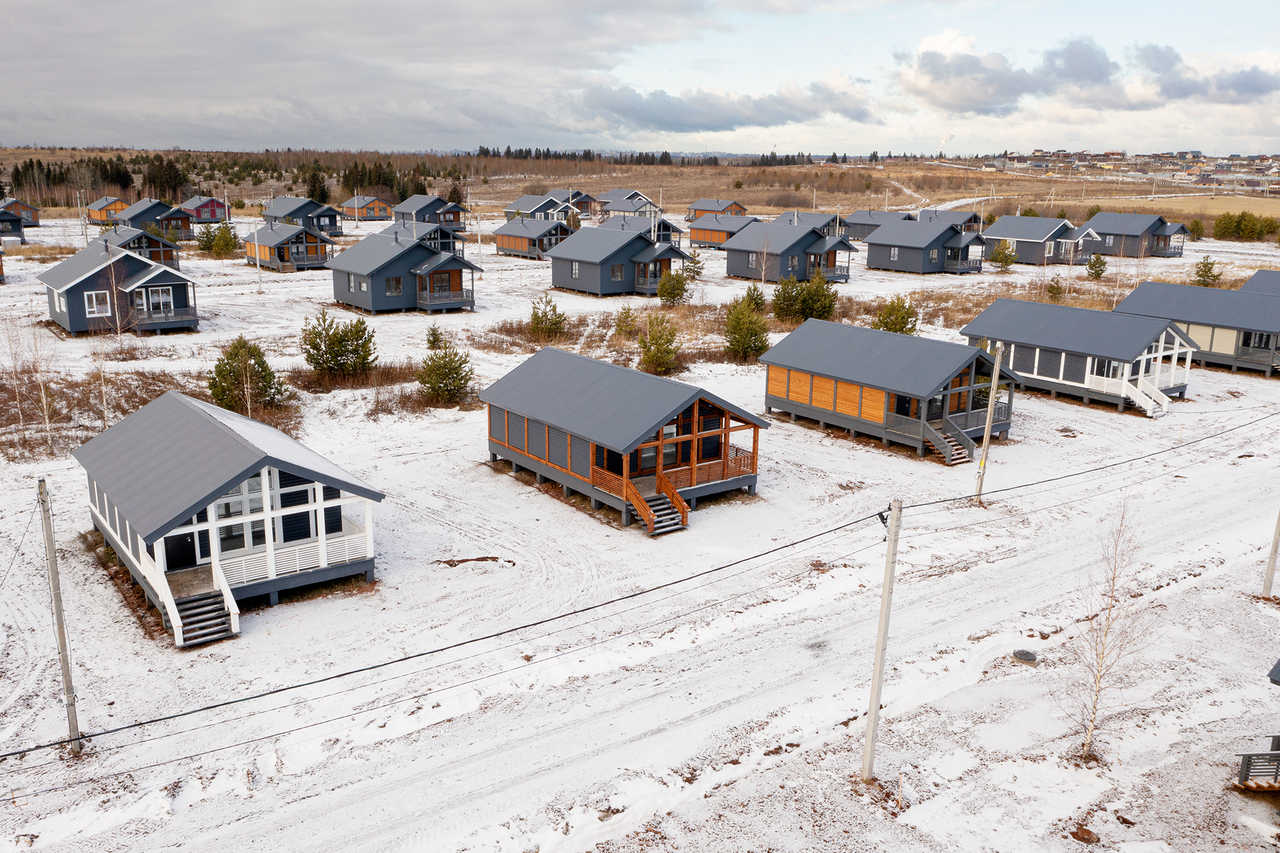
340, 588
135, 600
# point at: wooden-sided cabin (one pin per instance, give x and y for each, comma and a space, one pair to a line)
642, 444
926, 394
365, 207
924, 246
965, 220
529, 238
829, 224
205, 210
11, 226
1122, 359
393, 271
185, 493
291, 210
660, 229
1263, 281
144, 243
1039, 240
286, 248
105, 288
583, 203
30, 214
1232, 328
1135, 235
172, 222
104, 210
860, 223
777, 250
704, 206
606, 262
714, 230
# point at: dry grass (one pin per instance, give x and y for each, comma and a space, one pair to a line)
385, 374
40, 254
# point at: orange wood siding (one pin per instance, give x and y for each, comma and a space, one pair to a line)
848, 399
799, 387
824, 393
702, 235
777, 381
872, 405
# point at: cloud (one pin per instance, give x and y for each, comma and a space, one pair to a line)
1176, 81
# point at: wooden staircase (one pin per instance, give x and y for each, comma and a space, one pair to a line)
205, 618
953, 452
666, 518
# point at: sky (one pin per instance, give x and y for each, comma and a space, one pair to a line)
742, 76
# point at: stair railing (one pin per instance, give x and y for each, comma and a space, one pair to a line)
665, 488
932, 436
963, 440
632, 496
1259, 767
228, 600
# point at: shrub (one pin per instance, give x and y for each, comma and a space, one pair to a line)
1224, 226
1062, 213
238, 204
573, 220
746, 332
1096, 268
225, 241
625, 324
1031, 211
204, 238
1206, 274
445, 375
338, 349
1003, 256
1094, 210
693, 268
658, 347
990, 219
1268, 225
786, 299
897, 315
754, 297
455, 195
673, 288
1197, 230
546, 321
1055, 290
435, 338
737, 185
243, 382
818, 298
1248, 226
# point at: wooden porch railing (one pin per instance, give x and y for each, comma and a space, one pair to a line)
737, 463
1261, 769
606, 481
642, 507
665, 488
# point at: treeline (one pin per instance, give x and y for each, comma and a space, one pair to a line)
58, 183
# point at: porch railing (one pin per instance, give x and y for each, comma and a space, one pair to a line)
1259, 769
297, 558
968, 265
978, 417
445, 297
642, 507
665, 488
1166, 251
954, 430
909, 427
606, 481
141, 316
838, 270
315, 257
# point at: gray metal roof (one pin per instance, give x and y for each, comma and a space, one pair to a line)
903, 364
375, 252
359, 201
774, 237
175, 456
595, 245
275, 234
628, 205
287, 205
440, 261
1172, 229
531, 228
876, 217
912, 234
723, 222
103, 202
1079, 233
1034, 229
839, 243
659, 252
1263, 281
532, 203
614, 195
416, 231
195, 201
1103, 334
800, 217
1208, 306
84, 263
715, 204
613, 406
417, 203
1126, 224
637, 223
955, 217
965, 238
140, 207
8, 200
119, 235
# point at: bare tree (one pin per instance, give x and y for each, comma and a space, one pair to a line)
15, 351
41, 367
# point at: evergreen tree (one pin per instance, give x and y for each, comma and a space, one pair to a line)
693, 268
225, 241
338, 349
205, 238
746, 332
1003, 255
1096, 268
1206, 273
445, 375
546, 321
658, 347
455, 195
754, 297
243, 382
1197, 230
673, 288
317, 187
897, 315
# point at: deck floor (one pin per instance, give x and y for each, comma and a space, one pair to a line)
185, 583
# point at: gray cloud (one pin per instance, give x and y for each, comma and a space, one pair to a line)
1176, 81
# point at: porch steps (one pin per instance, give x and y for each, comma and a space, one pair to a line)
953, 453
205, 618
666, 517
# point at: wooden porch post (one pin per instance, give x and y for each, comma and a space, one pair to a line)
755, 448
322, 534
368, 528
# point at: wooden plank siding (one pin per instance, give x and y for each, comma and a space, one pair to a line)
777, 381
704, 235
799, 386
872, 405
824, 393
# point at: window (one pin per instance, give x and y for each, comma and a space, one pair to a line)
161, 299
615, 274
97, 303
893, 253
394, 287
1107, 369
573, 273
751, 260
364, 286
1111, 240
1255, 340
440, 282
351, 283
793, 262
62, 302
933, 256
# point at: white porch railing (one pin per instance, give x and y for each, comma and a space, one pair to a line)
228, 599
297, 558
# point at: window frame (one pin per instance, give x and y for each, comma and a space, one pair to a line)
394, 285
893, 253
573, 269
617, 272
91, 307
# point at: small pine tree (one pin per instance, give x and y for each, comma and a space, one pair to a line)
546, 322
238, 204
317, 187
693, 268
897, 315
737, 185
754, 297
455, 195
658, 347
243, 382
990, 219
1206, 273
673, 288
1031, 211
435, 338
1054, 289
1062, 213
1224, 226
746, 332
1093, 211
786, 299
225, 241
338, 349
1003, 255
817, 298
1197, 230
445, 376
204, 238
625, 324
1096, 268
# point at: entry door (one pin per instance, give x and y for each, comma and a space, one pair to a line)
935, 408
179, 551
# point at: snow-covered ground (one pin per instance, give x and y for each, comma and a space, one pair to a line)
722, 714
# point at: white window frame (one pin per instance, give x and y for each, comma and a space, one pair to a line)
93, 307
351, 282
364, 286
1111, 240
157, 297
793, 262
933, 256
62, 303
573, 271
893, 253
1048, 249
751, 260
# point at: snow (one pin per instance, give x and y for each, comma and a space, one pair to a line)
723, 714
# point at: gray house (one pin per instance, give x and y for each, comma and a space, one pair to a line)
926, 246
1095, 355
860, 223
145, 244
1039, 240
641, 444
529, 238
439, 238
544, 207
776, 250
104, 288
828, 223
664, 230
11, 226
1263, 281
607, 262
184, 493
1234, 328
924, 393
291, 210
714, 229
707, 206
391, 271
632, 207
173, 222
965, 220
582, 201
431, 209
1135, 235
286, 248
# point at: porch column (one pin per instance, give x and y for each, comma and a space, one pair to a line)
368, 528
923, 409
215, 551
268, 524
322, 534
1124, 383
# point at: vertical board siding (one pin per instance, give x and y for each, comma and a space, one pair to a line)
1024, 358
580, 456
873, 405
777, 381
824, 393
498, 423
537, 439
558, 447
848, 399
798, 389
1050, 365
515, 431
1073, 370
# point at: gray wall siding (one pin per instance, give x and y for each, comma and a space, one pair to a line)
597, 278
359, 299
909, 260
498, 423
1129, 247
736, 264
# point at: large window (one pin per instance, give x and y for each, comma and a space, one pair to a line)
394, 287
97, 303
1048, 249
933, 256
440, 282
241, 501
160, 299
615, 273
893, 253
793, 262
573, 272
1255, 340
351, 282
751, 260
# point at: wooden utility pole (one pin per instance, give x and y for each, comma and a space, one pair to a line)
60, 628
991, 413
877, 677
1271, 562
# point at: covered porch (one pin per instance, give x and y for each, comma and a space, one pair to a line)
826, 255
959, 257
652, 262
952, 422
440, 285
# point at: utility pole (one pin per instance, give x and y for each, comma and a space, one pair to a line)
991, 413
1271, 562
60, 628
877, 677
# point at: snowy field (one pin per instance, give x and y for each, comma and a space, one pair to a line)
725, 713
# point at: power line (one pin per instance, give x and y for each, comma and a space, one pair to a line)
18, 550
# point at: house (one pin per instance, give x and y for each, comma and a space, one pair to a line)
143, 243
11, 226
965, 220
529, 238
286, 248
291, 210
771, 251
713, 229
1135, 235
584, 203
205, 210
431, 209
172, 222
1263, 281
29, 213
642, 444
915, 391
664, 231
621, 195
435, 237
106, 288
392, 271
632, 207
365, 207
828, 223
606, 262
104, 210
184, 493
1095, 355
860, 223
1039, 240
926, 246
543, 207
704, 206
1233, 328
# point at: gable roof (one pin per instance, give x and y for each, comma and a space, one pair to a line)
617, 194
288, 205
659, 252
718, 205
104, 202
876, 217
638, 223
197, 200
419, 203
375, 252
613, 406
811, 220
1263, 281
532, 203
955, 217
1104, 334
8, 200
140, 207
723, 222
122, 234
628, 205
904, 364
1125, 224
530, 228
97, 255
444, 261
360, 201
175, 456
775, 237
1186, 303
277, 233
912, 234
1035, 229
595, 245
